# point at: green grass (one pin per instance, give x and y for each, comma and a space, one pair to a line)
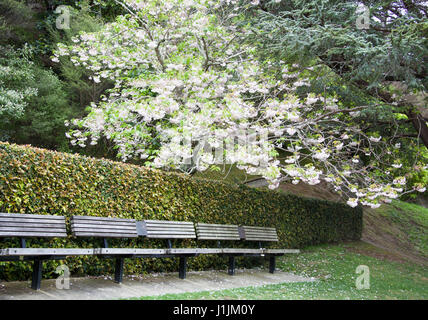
412, 220
335, 268
399, 225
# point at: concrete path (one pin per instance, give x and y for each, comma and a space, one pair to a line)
103, 288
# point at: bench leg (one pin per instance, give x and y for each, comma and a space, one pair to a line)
118, 270
183, 267
37, 274
231, 269
272, 264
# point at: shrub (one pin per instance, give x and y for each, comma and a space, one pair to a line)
39, 181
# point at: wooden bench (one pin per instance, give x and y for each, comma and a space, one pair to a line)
224, 232
26, 226
262, 235
105, 228
169, 230
47, 226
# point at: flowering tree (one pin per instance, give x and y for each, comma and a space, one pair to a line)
190, 93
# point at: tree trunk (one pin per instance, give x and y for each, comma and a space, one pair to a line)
420, 126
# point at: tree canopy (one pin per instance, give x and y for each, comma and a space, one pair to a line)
384, 56
199, 83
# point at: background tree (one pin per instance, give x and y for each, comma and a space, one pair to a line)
33, 103
36, 97
187, 80
367, 53
385, 56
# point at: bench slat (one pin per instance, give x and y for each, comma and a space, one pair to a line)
162, 229
32, 225
218, 236
260, 237
172, 227
214, 229
183, 251
260, 234
225, 232
101, 227
105, 235
170, 236
260, 228
207, 231
165, 222
218, 230
32, 216
273, 251
44, 251
124, 251
102, 222
107, 219
212, 225
242, 251
213, 237
30, 229
32, 234
78, 231
30, 220
166, 231
251, 233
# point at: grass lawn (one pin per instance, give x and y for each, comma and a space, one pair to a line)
335, 268
408, 223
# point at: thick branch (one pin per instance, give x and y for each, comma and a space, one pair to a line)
341, 111
420, 126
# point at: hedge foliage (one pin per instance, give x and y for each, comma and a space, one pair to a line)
39, 181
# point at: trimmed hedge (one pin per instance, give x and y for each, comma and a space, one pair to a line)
39, 181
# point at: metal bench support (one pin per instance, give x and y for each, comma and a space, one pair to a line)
272, 264
37, 274
118, 270
182, 268
231, 269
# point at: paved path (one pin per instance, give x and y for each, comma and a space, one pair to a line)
91, 288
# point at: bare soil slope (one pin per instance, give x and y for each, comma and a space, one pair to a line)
399, 229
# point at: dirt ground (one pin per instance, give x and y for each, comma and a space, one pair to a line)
391, 240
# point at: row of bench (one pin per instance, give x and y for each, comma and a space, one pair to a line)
47, 226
